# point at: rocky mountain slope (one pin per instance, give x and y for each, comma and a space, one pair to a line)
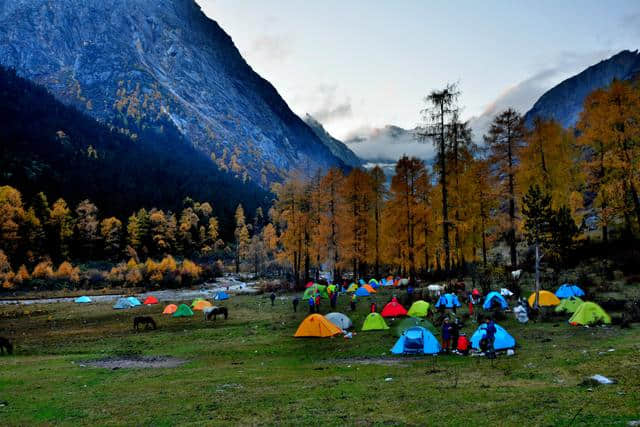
337, 147
564, 101
146, 63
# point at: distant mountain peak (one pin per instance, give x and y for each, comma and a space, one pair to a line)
564, 101
337, 147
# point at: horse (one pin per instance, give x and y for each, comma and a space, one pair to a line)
214, 311
147, 321
5, 344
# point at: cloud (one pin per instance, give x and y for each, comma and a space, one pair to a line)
272, 47
328, 107
524, 94
388, 144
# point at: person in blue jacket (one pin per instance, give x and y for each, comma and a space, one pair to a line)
446, 335
312, 305
490, 336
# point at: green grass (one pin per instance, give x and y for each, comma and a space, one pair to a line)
250, 370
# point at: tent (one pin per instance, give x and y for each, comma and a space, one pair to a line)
362, 282
195, 301
183, 311
362, 292
569, 305
352, 287
547, 299
566, 291
170, 309
332, 288
316, 290
310, 284
122, 303
221, 296
150, 300
374, 283
83, 300
316, 325
374, 322
589, 313
416, 340
419, 308
369, 288
448, 301
201, 305
506, 292
410, 322
393, 309
502, 341
342, 321
494, 299
134, 301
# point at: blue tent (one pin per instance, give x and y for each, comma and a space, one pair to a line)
567, 291
83, 300
448, 301
362, 292
220, 296
495, 299
134, 301
122, 303
502, 339
416, 340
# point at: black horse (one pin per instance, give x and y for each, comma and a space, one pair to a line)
210, 312
5, 344
147, 321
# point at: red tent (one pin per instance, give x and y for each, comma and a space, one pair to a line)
310, 284
150, 300
393, 309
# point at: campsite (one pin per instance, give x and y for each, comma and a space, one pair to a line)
250, 368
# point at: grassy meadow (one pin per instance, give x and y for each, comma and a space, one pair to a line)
250, 370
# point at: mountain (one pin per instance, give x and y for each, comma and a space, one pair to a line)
388, 144
564, 102
144, 64
51, 147
337, 147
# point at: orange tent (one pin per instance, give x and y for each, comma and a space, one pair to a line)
170, 309
369, 288
316, 325
150, 300
547, 299
201, 305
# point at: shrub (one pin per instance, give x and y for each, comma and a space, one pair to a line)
23, 274
44, 270
66, 271
133, 277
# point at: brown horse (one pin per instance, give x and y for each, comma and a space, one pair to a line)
5, 344
147, 321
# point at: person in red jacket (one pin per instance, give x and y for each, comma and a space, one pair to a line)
463, 344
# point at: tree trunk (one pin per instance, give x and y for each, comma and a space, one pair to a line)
445, 208
537, 301
512, 207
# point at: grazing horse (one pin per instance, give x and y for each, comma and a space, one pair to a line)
5, 344
214, 311
147, 321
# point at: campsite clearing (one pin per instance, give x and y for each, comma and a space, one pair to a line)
250, 369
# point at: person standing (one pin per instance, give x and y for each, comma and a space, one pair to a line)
296, 301
455, 333
374, 307
317, 303
446, 335
312, 305
273, 298
353, 303
490, 336
333, 300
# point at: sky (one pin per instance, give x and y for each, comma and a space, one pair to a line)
356, 65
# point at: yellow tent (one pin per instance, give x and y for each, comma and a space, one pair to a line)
201, 305
170, 309
352, 287
369, 288
547, 299
316, 325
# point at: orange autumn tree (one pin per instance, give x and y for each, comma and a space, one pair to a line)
330, 208
609, 129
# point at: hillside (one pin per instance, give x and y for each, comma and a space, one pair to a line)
50, 147
337, 147
141, 63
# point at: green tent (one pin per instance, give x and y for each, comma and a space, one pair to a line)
374, 322
419, 308
410, 322
569, 305
183, 311
352, 287
589, 313
316, 289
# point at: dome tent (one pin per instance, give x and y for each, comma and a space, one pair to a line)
416, 340
221, 296
567, 291
342, 321
201, 305
122, 303
547, 299
503, 340
170, 309
409, 322
419, 308
134, 301
393, 309
183, 311
494, 299
150, 300
589, 313
362, 292
374, 322
352, 287
316, 325
369, 288
569, 305
83, 300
